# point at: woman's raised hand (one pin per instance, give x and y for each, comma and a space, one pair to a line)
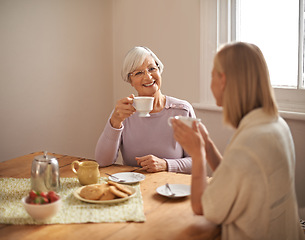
123, 109
190, 139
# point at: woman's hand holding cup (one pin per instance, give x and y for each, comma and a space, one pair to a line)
123, 109
186, 120
187, 133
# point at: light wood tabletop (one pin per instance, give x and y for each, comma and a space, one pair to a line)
166, 218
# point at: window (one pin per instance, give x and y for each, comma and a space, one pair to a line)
262, 22
276, 28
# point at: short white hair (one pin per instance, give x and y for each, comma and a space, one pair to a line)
135, 58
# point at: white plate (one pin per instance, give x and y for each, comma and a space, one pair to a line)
129, 177
180, 190
76, 194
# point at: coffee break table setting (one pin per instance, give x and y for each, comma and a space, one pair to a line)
157, 205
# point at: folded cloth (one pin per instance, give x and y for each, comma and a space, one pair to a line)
73, 210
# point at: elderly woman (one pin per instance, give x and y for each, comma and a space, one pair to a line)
145, 142
252, 192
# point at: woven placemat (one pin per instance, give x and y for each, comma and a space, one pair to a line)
12, 190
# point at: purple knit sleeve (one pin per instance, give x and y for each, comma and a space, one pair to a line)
107, 147
182, 165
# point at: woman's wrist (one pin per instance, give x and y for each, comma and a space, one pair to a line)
209, 145
115, 124
199, 155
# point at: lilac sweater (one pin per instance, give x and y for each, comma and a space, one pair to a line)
143, 136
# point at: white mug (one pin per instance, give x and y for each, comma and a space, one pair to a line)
143, 105
186, 120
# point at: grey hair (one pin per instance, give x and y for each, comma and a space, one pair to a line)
135, 58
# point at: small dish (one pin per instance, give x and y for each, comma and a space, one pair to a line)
127, 177
41, 212
76, 194
179, 190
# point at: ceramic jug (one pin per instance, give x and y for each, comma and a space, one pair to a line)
86, 171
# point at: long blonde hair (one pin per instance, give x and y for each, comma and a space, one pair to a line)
247, 81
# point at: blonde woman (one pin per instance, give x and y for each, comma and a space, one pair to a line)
252, 192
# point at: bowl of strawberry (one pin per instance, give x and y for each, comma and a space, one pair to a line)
42, 205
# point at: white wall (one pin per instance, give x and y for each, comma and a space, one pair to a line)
170, 28
55, 75
60, 69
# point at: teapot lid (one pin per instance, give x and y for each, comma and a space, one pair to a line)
44, 157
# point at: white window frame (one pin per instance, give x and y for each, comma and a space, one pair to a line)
216, 28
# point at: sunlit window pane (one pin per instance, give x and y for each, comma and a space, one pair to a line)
273, 26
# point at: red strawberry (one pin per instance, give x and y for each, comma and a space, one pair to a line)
53, 196
41, 200
43, 194
33, 195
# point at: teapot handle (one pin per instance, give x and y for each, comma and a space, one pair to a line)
73, 166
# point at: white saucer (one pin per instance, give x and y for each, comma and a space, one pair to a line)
129, 177
180, 190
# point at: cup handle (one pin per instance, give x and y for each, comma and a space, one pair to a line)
73, 166
169, 121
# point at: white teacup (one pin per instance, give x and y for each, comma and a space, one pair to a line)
186, 120
143, 105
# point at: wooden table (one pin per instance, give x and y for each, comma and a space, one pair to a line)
165, 218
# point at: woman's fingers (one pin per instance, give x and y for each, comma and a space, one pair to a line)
123, 109
189, 138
